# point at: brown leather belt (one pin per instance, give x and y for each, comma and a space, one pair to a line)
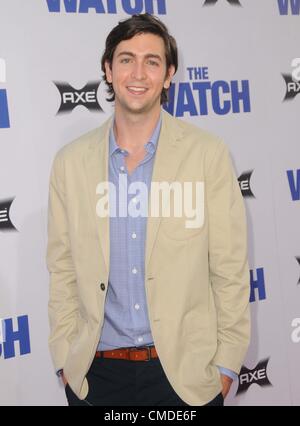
144, 353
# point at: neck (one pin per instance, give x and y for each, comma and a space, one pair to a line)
132, 131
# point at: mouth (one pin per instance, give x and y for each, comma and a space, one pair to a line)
138, 91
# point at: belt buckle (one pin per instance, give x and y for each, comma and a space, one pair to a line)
149, 353
142, 348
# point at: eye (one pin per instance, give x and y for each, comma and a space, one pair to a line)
153, 63
125, 60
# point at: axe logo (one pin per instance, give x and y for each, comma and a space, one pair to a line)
292, 87
213, 2
244, 182
5, 222
71, 98
292, 80
258, 375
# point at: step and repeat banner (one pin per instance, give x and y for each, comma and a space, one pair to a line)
239, 77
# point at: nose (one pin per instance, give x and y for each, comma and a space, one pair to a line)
138, 71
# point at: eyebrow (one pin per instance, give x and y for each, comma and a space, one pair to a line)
148, 55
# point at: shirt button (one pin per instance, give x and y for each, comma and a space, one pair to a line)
133, 235
102, 286
137, 306
140, 339
134, 271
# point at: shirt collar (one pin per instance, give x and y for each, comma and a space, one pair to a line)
151, 145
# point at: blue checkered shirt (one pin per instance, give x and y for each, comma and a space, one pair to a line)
126, 321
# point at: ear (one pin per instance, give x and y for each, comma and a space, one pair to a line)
168, 79
108, 72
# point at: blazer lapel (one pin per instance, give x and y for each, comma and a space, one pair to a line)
169, 155
96, 168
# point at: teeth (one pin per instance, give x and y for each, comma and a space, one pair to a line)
137, 89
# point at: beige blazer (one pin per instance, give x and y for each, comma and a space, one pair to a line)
196, 279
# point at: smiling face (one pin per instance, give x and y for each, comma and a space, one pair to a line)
138, 74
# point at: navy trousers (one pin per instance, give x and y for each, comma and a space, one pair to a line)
115, 382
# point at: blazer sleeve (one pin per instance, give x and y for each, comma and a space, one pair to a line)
229, 270
63, 298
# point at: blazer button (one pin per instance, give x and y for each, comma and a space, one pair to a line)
102, 286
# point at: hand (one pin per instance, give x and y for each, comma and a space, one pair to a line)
226, 384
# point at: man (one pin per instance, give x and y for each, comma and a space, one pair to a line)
146, 309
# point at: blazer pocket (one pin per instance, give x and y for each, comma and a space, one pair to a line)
180, 228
